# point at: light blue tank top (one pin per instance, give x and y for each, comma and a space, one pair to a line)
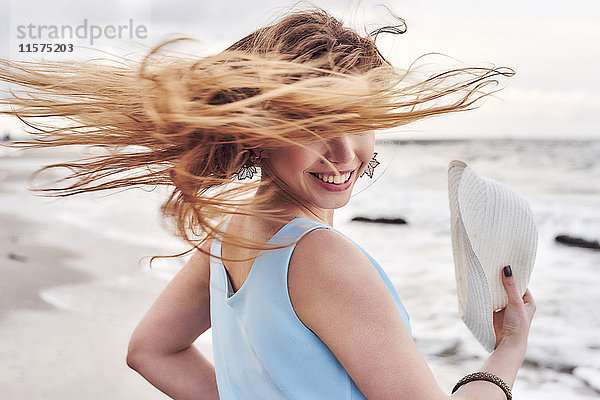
262, 350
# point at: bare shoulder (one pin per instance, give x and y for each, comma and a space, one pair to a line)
327, 269
181, 312
199, 263
191, 283
325, 252
340, 296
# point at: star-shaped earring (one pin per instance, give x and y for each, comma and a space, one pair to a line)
371, 166
249, 169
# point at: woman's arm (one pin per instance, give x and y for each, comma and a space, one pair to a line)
512, 328
161, 348
337, 294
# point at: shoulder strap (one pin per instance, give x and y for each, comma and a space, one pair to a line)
293, 231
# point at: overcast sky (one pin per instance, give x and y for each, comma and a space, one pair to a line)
553, 46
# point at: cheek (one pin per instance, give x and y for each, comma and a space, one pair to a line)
366, 146
292, 162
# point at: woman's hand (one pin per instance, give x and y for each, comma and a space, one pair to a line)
512, 328
512, 322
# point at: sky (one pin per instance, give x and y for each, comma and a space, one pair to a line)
552, 46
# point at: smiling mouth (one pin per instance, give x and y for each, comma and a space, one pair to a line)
334, 179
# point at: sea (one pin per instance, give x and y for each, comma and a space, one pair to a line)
560, 180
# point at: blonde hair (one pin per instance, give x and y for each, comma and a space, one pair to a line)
192, 123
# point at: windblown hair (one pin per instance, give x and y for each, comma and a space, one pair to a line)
192, 123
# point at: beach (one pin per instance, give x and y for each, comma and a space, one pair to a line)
75, 278
71, 291
49, 352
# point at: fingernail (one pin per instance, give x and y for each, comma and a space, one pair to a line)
507, 271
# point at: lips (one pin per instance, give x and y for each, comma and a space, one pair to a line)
334, 183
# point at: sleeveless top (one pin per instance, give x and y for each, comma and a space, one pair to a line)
262, 350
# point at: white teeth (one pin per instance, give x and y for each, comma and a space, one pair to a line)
335, 179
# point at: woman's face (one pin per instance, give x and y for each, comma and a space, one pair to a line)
315, 183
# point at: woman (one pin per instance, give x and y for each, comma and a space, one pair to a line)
298, 310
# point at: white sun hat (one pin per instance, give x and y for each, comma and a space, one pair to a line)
491, 226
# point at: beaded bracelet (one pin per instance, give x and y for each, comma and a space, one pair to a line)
485, 376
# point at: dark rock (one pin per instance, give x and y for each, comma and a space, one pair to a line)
577, 242
17, 257
559, 366
450, 350
395, 221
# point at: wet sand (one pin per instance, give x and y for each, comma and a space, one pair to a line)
57, 346
48, 353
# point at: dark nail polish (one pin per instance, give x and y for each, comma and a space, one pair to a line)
507, 271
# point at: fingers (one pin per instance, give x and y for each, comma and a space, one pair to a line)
509, 285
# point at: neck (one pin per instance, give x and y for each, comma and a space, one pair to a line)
289, 207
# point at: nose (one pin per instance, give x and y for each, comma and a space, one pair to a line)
340, 150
